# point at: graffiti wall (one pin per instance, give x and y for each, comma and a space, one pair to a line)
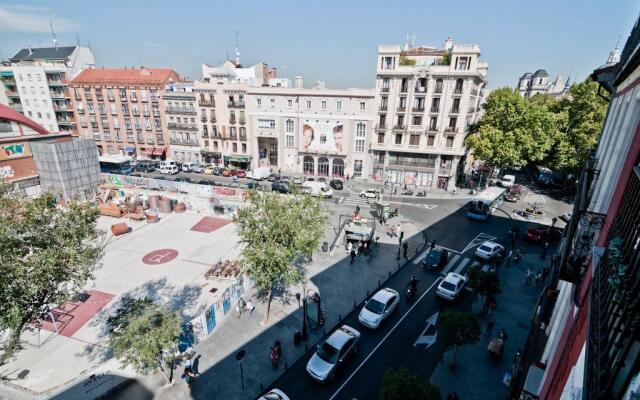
14, 150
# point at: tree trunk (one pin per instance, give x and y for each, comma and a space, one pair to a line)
166, 375
14, 342
265, 320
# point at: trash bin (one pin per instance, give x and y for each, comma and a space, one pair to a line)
325, 247
297, 338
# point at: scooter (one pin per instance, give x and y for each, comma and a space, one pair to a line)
517, 257
276, 350
410, 293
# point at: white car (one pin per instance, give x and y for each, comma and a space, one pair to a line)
378, 308
169, 169
274, 394
489, 250
333, 352
370, 193
451, 286
508, 181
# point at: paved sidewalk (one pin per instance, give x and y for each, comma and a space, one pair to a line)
477, 375
341, 286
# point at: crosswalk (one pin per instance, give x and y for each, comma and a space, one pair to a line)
534, 197
354, 199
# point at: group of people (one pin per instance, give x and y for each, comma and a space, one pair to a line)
356, 248
535, 278
244, 306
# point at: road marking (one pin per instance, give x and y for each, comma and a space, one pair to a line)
383, 339
479, 239
535, 196
450, 250
461, 265
423, 255
428, 339
451, 264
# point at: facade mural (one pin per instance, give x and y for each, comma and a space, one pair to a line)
13, 150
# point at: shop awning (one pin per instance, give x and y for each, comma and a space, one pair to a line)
131, 149
237, 158
210, 154
158, 151
148, 151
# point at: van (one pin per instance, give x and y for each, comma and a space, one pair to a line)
169, 169
318, 189
167, 163
507, 181
260, 173
145, 166
188, 166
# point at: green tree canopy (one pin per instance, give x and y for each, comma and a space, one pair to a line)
402, 385
458, 329
144, 335
277, 231
47, 254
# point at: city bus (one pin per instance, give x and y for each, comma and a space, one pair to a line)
482, 206
115, 165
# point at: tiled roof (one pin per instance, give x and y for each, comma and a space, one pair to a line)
12, 115
39, 53
126, 76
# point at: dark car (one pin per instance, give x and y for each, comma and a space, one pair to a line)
145, 166
253, 185
183, 179
280, 187
273, 178
543, 234
436, 259
336, 184
217, 170
205, 182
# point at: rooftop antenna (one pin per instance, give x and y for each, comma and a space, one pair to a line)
53, 33
237, 50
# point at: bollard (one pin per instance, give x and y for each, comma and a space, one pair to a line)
286, 365
378, 282
306, 347
339, 317
354, 304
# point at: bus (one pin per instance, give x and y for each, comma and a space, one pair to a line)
115, 165
482, 206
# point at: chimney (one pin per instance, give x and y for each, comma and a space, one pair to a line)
299, 82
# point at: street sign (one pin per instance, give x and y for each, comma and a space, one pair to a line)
430, 333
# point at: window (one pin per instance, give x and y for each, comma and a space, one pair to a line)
400, 123
134, 96
258, 103
127, 123
235, 147
449, 142
360, 136
123, 94
90, 108
463, 63
435, 104
417, 120
267, 123
459, 83
324, 104
39, 115
414, 140
308, 103
398, 138
244, 148
338, 105
380, 137
385, 84
289, 126
357, 167
363, 106
452, 123
112, 106
289, 141
360, 145
433, 124
290, 103
431, 140
438, 85
455, 107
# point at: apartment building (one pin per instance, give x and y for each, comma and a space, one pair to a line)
222, 123
316, 132
180, 109
233, 72
35, 83
123, 110
426, 98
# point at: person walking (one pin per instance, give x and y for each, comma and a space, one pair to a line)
509, 257
353, 255
241, 305
490, 325
365, 249
405, 248
529, 275
433, 244
349, 247
544, 250
250, 307
189, 376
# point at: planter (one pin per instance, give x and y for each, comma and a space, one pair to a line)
180, 208
152, 218
111, 210
165, 205
119, 229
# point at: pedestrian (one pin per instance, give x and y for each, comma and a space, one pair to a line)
365, 249
529, 275
359, 249
503, 335
492, 305
509, 257
241, 305
250, 307
490, 324
538, 278
349, 247
353, 255
188, 375
384, 219
433, 244
405, 247
453, 396
398, 230
357, 210
544, 250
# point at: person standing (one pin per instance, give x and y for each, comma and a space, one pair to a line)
398, 230
528, 276
365, 248
509, 257
241, 305
353, 255
544, 250
405, 248
250, 307
349, 247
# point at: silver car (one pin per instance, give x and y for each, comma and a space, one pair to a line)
378, 308
332, 353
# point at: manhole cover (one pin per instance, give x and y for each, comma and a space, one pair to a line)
159, 256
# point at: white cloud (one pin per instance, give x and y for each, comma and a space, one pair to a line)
28, 19
151, 44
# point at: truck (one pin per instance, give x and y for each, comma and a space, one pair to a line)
317, 189
260, 173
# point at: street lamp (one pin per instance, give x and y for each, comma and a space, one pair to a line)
239, 356
303, 334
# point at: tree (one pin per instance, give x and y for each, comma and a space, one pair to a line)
144, 335
583, 111
458, 329
402, 385
47, 254
277, 231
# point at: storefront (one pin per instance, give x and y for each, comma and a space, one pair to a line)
241, 162
211, 157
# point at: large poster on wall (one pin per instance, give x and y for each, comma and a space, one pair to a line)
322, 136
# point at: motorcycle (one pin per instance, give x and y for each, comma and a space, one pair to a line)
393, 213
276, 350
517, 257
407, 192
410, 293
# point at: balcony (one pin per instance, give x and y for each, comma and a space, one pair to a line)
12, 94
420, 90
135, 113
383, 107
243, 137
399, 127
404, 89
402, 108
435, 109
455, 110
432, 129
180, 110
474, 92
418, 164
65, 108
418, 109
207, 103
205, 135
385, 89
8, 80
182, 126
457, 90
242, 122
58, 94
235, 104
64, 121
213, 119
184, 142
451, 130
438, 89
154, 99
232, 121
381, 127
203, 119
56, 82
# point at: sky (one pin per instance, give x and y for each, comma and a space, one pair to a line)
332, 41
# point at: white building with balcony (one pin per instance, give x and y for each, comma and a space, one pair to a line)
426, 98
315, 132
181, 113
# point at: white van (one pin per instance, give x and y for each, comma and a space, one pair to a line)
168, 163
318, 189
188, 166
507, 181
169, 169
260, 173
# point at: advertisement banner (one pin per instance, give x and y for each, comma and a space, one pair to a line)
322, 136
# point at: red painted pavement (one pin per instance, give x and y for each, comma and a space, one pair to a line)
210, 224
74, 315
160, 256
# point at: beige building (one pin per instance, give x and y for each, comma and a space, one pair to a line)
181, 113
321, 132
426, 98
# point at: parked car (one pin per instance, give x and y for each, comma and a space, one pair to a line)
199, 168
336, 184
566, 217
208, 169
298, 180
370, 193
513, 194
169, 169
206, 182
145, 166
183, 179
322, 179
451, 286
281, 187
318, 189
136, 174
539, 235
332, 353
378, 308
241, 173
436, 258
507, 181
272, 177
489, 250
274, 394
188, 166
253, 185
